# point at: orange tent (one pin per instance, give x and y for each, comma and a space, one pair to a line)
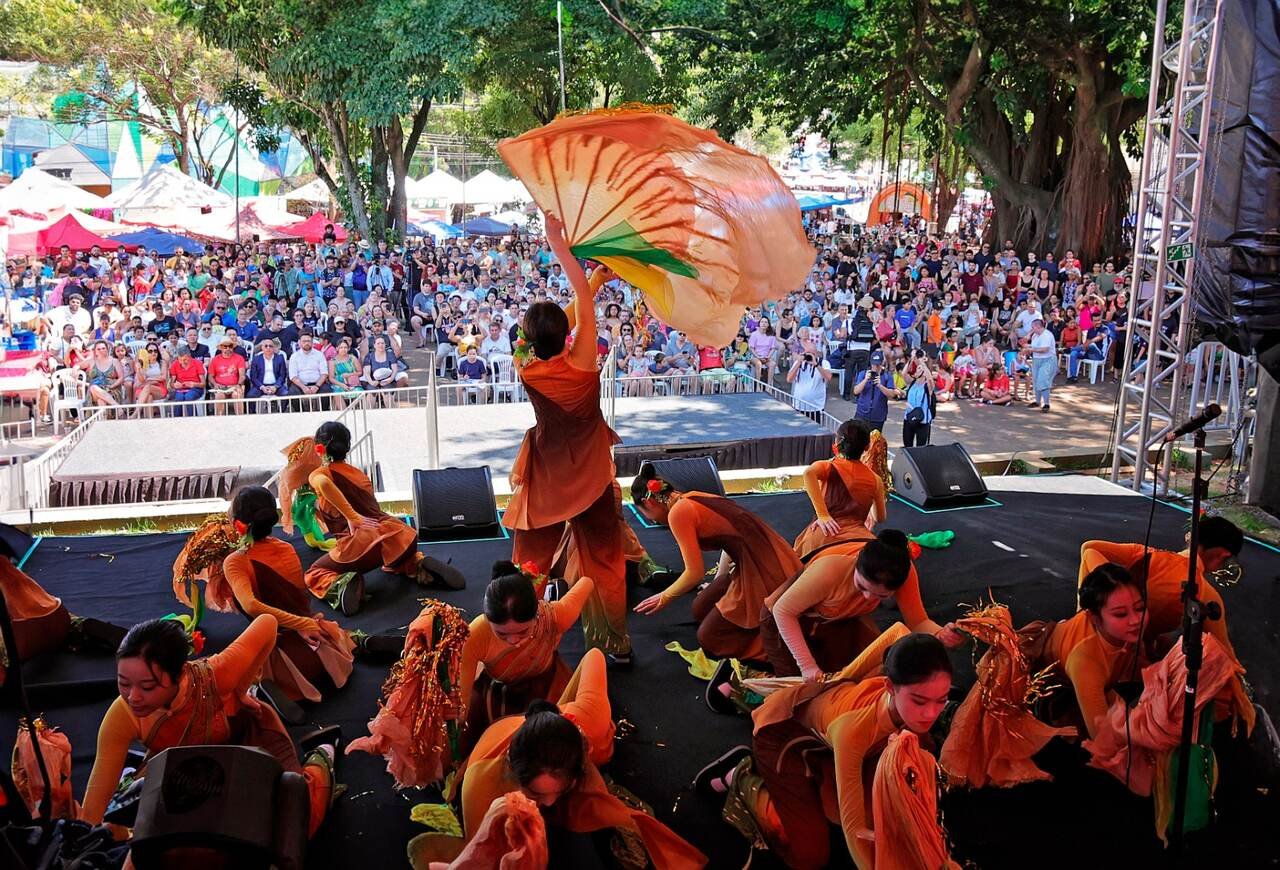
905, 197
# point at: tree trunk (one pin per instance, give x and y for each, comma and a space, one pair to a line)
398, 211
350, 171
379, 192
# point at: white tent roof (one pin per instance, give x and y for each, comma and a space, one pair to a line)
315, 191
165, 186
437, 185
516, 191
487, 187
518, 218
76, 168
37, 190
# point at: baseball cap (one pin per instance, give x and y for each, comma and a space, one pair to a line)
877, 358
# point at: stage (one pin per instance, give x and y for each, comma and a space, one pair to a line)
210, 455
1023, 550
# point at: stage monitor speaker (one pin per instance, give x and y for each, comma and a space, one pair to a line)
234, 806
939, 475
453, 503
14, 542
696, 474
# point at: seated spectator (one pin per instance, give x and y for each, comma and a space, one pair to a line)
1091, 349
106, 377
268, 372
945, 382
187, 377
473, 373
151, 376
963, 372
344, 372
995, 389
308, 368
227, 375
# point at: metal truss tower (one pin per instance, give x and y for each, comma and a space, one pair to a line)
1161, 313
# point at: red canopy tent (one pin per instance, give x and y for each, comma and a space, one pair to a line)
71, 233
312, 229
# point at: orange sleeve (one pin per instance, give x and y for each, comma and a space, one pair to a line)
1088, 677
585, 700
324, 486
473, 655
881, 511
683, 521
850, 738
238, 666
236, 568
814, 476
117, 731
568, 609
910, 603
1095, 553
1216, 627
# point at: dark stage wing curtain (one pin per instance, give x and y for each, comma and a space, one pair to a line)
82, 490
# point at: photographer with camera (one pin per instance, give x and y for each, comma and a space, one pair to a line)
921, 401
808, 378
873, 391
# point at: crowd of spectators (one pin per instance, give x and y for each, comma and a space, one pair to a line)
889, 313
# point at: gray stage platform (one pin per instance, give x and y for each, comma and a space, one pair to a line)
737, 428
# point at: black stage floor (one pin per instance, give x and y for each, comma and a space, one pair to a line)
1084, 818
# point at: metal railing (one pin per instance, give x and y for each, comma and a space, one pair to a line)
13, 431
355, 416
1222, 376
38, 473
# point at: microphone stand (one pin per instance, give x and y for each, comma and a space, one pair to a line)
1194, 613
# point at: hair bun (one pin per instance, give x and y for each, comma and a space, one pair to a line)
893, 538
502, 568
541, 705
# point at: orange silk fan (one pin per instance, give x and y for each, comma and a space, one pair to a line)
701, 227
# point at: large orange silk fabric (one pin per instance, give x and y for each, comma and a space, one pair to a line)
702, 227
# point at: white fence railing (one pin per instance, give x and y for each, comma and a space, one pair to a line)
38, 473
1224, 377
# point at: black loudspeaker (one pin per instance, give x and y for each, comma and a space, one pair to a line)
234, 806
453, 503
690, 475
14, 542
937, 476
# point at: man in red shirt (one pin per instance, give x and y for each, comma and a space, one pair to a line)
226, 377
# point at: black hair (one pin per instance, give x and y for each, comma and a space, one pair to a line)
1101, 582
915, 658
1220, 532
852, 438
546, 328
640, 483
255, 506
509, 596
161, 643
336, 439
886, 561
546, 742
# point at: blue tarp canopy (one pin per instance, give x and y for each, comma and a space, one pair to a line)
159, 241
809, 202
483, 226
436, 229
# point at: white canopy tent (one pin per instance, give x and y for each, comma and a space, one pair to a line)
37, 191
437, 186
313, 191
167, 191
70, 164
487, 188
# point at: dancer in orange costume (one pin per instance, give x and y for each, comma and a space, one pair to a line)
1164, 574
167, 701
313, 655
821, 620
564, 472
755, 561
813, 736
511, 655
848, 497
551, 755
367, 537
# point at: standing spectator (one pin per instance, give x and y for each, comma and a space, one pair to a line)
186, 380
1044, 362
917, 421
872, 394
808, 378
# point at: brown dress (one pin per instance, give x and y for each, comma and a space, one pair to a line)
849, 490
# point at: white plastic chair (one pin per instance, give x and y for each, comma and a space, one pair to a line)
1095, 365
504, 376
70, 393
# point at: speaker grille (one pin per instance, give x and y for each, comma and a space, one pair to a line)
690, 475
448, 500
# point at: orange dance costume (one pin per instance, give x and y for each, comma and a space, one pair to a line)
501, 679
813, 736
346, 499
1165, 574
820, 620
588, 806
729, 609
40, 621
267, 578
564, 474
210, 708
846, 491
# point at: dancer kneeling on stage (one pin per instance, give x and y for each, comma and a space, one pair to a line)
367, 537
822, 619
754, 562
550, 754
848, 496
167, 701
815, 735
510, 657
1164, 574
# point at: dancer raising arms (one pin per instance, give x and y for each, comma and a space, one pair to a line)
754, 562
367, 537
564, 472
848, 497
167, 701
